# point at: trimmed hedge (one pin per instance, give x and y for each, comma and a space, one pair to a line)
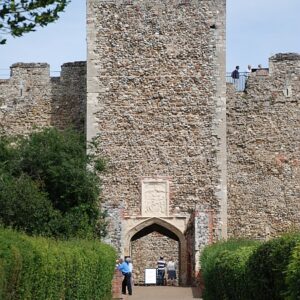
40, 268
231, 271
248, 270
267, 268
293, 275
223, 269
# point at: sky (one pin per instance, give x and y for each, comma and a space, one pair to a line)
255, 30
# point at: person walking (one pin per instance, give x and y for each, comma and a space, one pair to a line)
125, 269
161, 264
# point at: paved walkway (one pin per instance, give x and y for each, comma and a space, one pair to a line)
163, 293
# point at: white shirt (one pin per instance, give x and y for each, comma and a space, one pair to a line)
171, 266
130, 267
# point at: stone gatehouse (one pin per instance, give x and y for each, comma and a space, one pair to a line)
153, 93
156, 102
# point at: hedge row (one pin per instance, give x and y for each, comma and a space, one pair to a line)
40, 268
223, 269
250, 270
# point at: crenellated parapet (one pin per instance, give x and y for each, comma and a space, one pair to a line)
285, 63
263, 125
31, 98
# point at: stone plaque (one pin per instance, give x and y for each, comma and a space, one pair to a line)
155, 198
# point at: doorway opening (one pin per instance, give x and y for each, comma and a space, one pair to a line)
151, 239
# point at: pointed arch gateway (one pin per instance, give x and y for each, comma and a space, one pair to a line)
164, 228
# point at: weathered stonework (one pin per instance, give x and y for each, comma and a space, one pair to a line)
263, 151
156, 102
199, 233
153, 93
30, 98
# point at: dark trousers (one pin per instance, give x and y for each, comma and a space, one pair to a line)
126, 282
160, 277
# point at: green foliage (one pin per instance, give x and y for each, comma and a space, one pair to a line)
46, 187
211, 252
293, 275
268, 265
59, 161
230, 273
38, 268
214, 266
24, 206
12, 259
247, 270
21, 16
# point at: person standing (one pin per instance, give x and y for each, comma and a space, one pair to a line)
171, 271
124, 268
235, 74
249, 69
161, 264
129, 261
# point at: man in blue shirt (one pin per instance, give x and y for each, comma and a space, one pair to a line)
124, 268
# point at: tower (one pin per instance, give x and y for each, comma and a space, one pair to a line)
156, 103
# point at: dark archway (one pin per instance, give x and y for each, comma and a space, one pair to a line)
157, 228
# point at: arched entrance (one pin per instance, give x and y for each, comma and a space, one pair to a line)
153, 238
149, 244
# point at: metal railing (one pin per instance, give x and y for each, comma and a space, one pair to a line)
240, 83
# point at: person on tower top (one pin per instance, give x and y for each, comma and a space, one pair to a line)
235, 74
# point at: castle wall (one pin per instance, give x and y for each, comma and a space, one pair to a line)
153, 94
156, 103
30, 98
263, 151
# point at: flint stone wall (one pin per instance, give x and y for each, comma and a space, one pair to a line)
153, 77
263, 126
30, 98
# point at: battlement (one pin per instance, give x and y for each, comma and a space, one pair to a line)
263, 146
285, 56
284, 63
153, 94
283, 67
68, 69
42, 70
31, 97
